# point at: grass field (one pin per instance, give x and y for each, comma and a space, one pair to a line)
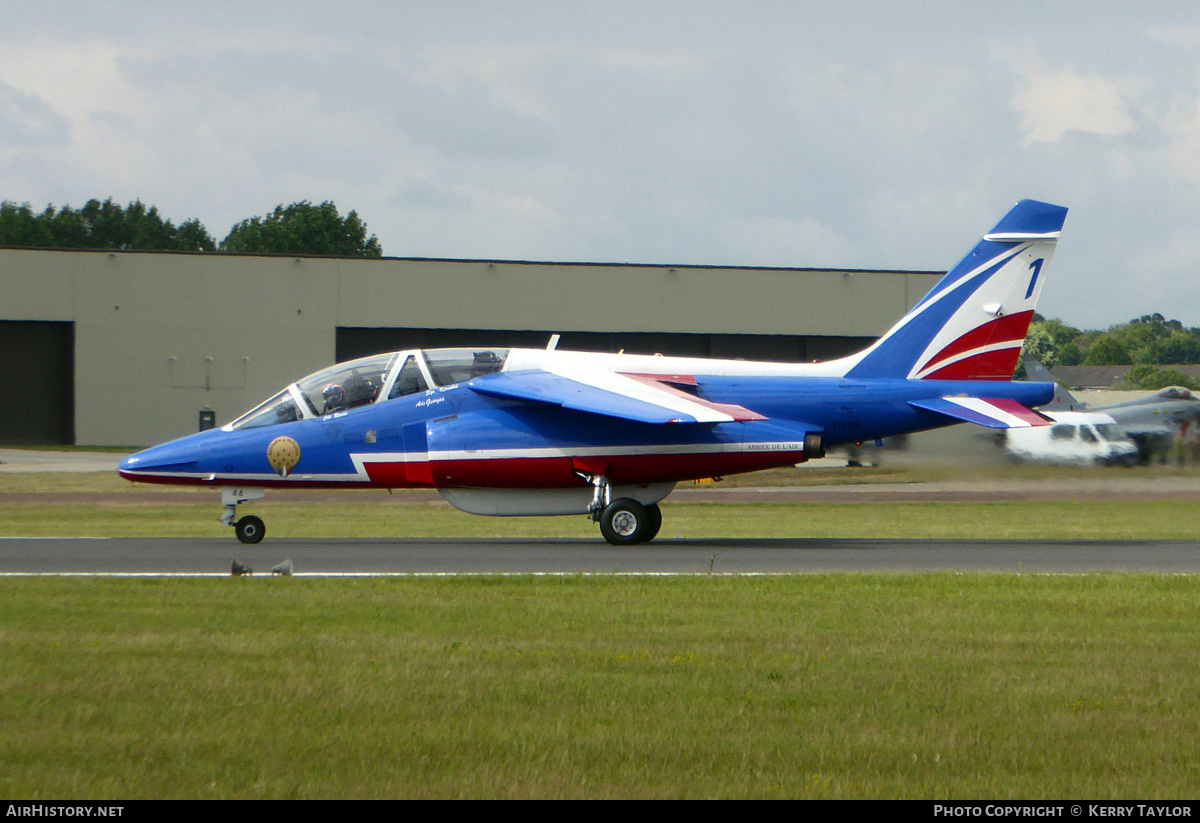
872, 686
103, 505
1076, 520
824, 686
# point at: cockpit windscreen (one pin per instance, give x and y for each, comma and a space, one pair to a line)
361, 382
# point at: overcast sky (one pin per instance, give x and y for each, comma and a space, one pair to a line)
831, 134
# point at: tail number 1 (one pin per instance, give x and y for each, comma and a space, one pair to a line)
1036, 268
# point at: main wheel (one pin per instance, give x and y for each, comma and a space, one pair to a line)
653, 522
250, 529
624, 522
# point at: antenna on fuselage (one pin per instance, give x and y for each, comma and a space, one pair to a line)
553, 344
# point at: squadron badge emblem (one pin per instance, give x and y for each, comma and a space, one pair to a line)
283, 454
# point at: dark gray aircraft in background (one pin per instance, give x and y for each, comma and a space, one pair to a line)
1155, 423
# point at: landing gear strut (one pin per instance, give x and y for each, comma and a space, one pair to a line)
249, 529
625, 521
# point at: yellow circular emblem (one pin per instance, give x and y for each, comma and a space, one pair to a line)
283, 454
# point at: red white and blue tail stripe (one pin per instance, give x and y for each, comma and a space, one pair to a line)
972, 325
994, 413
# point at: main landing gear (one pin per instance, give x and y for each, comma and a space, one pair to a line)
249, 529
624, 521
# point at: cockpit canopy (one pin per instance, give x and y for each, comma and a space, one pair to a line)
374, 379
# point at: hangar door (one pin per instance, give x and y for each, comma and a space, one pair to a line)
37, 369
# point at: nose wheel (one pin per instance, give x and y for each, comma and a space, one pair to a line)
250, 529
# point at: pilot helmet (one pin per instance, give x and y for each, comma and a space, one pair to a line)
333, 394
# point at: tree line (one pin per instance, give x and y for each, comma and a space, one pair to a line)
1150, 344
300, 228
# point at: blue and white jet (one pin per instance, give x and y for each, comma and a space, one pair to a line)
547, 432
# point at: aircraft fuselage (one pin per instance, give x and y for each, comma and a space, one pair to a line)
454, 436
542, 431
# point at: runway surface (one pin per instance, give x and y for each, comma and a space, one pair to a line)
450, 556
663, 556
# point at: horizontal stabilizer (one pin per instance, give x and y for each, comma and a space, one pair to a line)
641, 399
993, 413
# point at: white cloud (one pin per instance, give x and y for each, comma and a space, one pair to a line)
1186, 36
1054, 102
26, 120
790, 134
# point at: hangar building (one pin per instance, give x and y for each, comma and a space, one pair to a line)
132, 348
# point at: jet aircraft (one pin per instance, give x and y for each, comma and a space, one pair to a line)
1155, 422
509, 431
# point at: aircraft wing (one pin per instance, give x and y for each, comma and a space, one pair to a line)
995, 413
637, 397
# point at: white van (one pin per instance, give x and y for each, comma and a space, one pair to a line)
1073, 438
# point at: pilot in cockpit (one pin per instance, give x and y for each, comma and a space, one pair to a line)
286, 413
485, 362
335, 398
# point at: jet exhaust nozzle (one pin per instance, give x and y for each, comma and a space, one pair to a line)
814, 446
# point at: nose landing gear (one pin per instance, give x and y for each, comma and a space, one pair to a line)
249, 529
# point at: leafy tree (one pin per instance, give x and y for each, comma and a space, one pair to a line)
1157, 319
19, 226
1141, 335
1072, 354
1108, 350
193, 236
1149, 339
100, 225
303, 228
1178, 347
1046, 341
1040, 346
1148, 377
1059, 331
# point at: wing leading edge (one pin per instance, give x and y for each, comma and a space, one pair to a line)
640, 398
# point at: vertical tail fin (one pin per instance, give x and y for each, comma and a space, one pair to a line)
972, 324
1063, 399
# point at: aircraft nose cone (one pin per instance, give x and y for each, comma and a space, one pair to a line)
129, 463
166, 459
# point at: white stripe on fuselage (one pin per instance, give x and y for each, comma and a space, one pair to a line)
361, 460
557, 361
